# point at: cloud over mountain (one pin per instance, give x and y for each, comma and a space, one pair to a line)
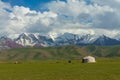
74, 16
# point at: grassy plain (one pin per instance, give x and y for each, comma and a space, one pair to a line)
52, 63
104, 69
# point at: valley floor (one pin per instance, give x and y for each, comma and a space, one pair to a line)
103, 69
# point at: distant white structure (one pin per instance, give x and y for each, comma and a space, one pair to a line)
88, 59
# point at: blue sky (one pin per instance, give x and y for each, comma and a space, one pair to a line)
32, 4
60, 16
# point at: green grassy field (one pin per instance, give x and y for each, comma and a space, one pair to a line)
104, 69
51, 63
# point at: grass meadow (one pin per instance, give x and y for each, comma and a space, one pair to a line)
51, 63
104, 69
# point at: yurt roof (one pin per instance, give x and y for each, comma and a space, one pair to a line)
88, 57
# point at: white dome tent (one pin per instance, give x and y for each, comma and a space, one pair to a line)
88, 59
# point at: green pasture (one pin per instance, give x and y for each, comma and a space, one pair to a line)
51, 63
104, 69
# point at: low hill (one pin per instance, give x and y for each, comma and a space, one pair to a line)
56, 53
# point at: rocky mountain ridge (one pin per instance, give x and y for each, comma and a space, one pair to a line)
37, 40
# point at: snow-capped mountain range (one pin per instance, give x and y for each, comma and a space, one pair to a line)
38, 40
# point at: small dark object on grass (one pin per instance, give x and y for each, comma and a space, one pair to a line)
69, 61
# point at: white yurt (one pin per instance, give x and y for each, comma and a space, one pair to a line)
88, 59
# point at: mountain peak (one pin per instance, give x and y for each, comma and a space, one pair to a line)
104, 40
37, 40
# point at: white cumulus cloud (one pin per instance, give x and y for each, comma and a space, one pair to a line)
74, 16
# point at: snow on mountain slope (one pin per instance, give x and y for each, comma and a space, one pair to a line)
106, 41
117, 37
87, 38
38, 40
64, 39
27, 39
